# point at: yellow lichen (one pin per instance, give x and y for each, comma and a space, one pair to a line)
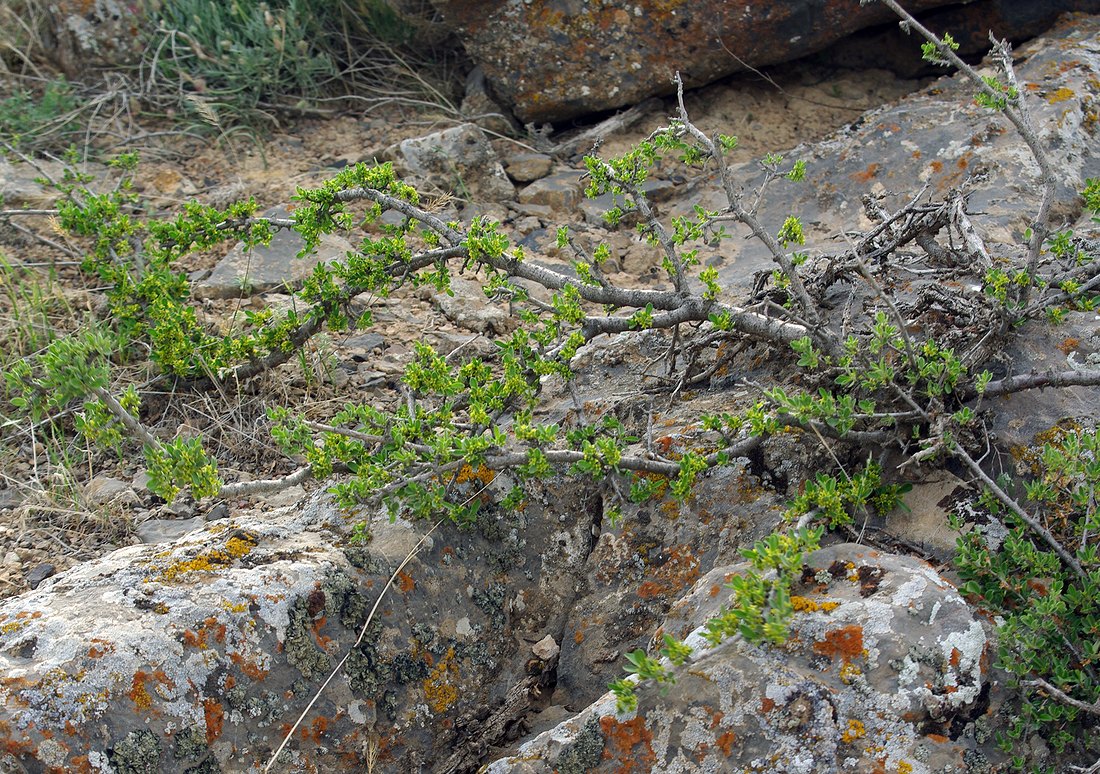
481, 474
905, 768
849, 672
854, 731
804, 605
807, 605
12, 626
1061, 95
236, 546
234, 607
439, 689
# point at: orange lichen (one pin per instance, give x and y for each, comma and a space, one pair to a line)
315, 730
621, 741
214, 714
322, 640
767, 705
846, 642
578, 636
725, 742
405, 582
1069, 344
439, 688
100, 648
249, 668
138, 693
867, 174
677, 573
854, 731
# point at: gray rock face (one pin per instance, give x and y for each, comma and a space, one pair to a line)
203, 654
939, 138
244, 272
886, 666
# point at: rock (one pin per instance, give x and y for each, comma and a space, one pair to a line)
552, 61
87, 35
19, 186
167, 530
938, 137
39, 574
285, 497
102, 490
140, 481
546, 649
203, 652
560, 191
267, 268
219, 511
470, 309
458, 160
969, 24
636, 572
527, 167
1041, 347
885, 666
479, 107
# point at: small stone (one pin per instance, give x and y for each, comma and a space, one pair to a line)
361, 347
218, 512
183, 507
140, 481
104, 489
561, 191
39, 574
166, 530
546, 649
9, 498
528, 167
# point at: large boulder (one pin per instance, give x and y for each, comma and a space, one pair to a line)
79, 35
886, 669
200, 655
554, 59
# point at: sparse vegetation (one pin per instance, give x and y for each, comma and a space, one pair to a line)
874, 380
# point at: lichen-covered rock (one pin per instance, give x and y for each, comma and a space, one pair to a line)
886, 668
458, 160
103, 33
203, 654
940, 138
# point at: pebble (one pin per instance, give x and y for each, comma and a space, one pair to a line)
39, 574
